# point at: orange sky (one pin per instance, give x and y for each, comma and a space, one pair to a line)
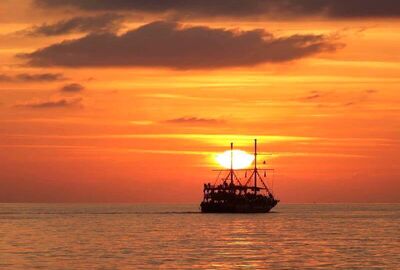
149, 132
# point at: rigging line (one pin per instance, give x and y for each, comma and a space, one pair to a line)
273, 180
216, 180
266, 187
237, 179
250, 178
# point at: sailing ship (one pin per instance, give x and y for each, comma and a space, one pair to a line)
233, 196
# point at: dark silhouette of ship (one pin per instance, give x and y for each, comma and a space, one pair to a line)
231, 196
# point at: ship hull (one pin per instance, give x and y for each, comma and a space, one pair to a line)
210, 207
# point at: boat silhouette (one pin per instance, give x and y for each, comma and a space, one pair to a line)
232, 196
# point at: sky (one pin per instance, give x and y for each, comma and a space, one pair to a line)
131, 101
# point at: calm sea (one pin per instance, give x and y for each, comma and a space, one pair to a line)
122, 236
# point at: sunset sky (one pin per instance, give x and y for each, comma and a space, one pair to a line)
130, 101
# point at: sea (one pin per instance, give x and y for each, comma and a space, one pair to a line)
178, 236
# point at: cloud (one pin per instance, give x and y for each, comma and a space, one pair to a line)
26, 77
240, 8
51, 104
194, 120
316, 96
313, 95
102, 23
364, 96
72, 88
336, 99
168, 44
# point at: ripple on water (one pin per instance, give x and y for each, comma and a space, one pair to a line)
177, 236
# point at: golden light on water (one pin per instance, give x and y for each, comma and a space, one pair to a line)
241, 159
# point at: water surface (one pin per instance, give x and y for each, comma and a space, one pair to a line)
76, 236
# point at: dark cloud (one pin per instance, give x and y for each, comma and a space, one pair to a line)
238, 8
51, 104
101, 23
167, 44
25, 77
194, 120
312, 96
72, 88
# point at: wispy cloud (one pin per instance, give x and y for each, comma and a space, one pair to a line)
170, 96
100, 23
361, 98
88, 148
72, 88
313, 95
336, 98
194, 121
51, 104
217, 139
26, 77
184, 97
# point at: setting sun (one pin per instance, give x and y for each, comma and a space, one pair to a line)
241, 159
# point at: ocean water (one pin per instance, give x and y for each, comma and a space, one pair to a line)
123, 236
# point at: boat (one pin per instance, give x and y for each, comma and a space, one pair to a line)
229, 195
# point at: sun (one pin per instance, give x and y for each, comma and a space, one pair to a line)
241, 159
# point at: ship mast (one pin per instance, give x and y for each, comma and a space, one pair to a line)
255, 166
231, 163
